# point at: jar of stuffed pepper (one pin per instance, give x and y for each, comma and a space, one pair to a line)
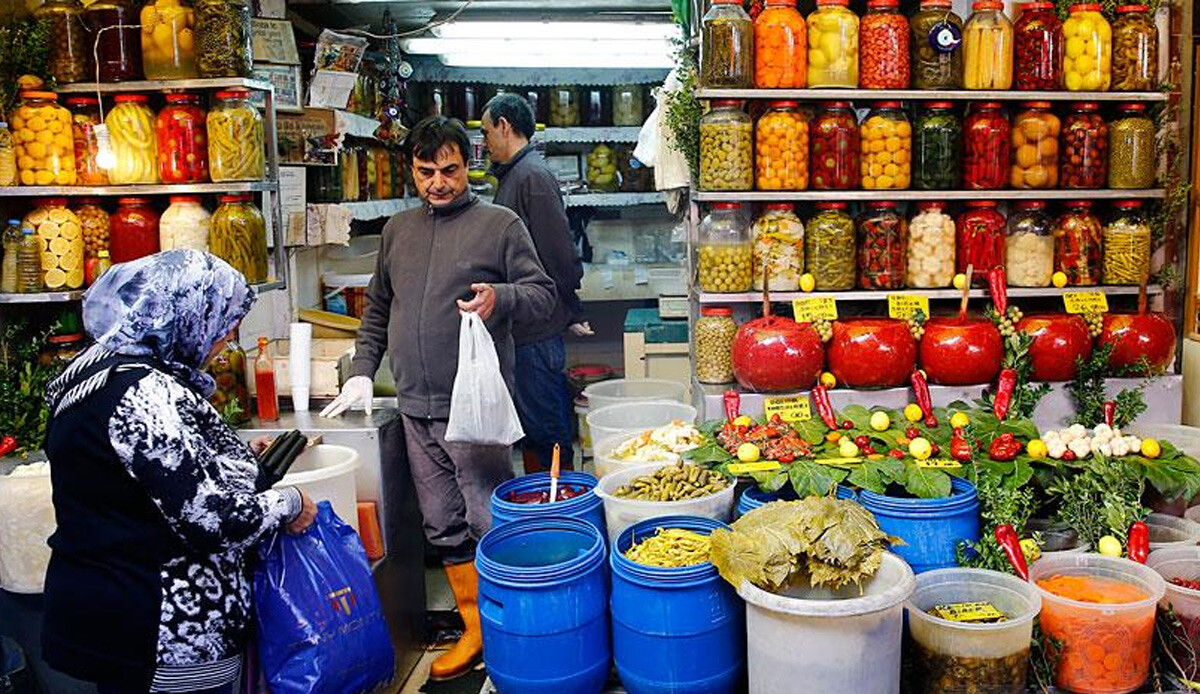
833, 45
564, 106
988, 47
726, 46
130, 125
930, 247
724, 257
1126, 242
882, 242
1035, 133
596, 108
715, 331
937, 148
835, 160
781, 148
133, 230
41, 130
60, 237
726, 148
627, 105
85, 116
1088, 63
1132, 161
236, 144
1135, 50
884, 39
829, 247
168, 40
8, 158
987, 147
778, 248
181, 130
231, 399
781, 47
118, 50
223, 38
95, 223
1077, 244
238, 235
887, 148
1038, 54
1084, 147
70, 46
980, 239
1030, 245
936, 46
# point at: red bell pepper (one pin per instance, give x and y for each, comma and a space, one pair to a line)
1110, 412
924, 401
1006, 535
733, 405
8, 444
1004, 448
1006, 383
960, 447
998, 285
820, 398
1138, 542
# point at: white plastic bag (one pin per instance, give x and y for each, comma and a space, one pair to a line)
481, 408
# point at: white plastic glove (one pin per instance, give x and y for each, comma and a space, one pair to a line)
358, 390
583, 329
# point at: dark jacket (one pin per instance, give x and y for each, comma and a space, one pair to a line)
529, 188
428, 258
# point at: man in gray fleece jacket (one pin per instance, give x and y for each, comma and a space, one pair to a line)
455, 253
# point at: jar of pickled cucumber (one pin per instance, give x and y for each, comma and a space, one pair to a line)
231, 398
836, 151
829, 247
833, 45
1135, 50
1088, 63
1038, 54
1077, 241
936, 46
887, 148
882, 243
223, 45
564, 107
930, 247
1126, 244
8, 158
980, 242
238, 235
988, 47
85, 116
70, 46
781, 47
130, 126
714, 333
113, 25
168, 40
1029, 245
781, 148
726, 148
236, 144
1035, 132
42, 132
95, 223
725, 258
1132, 161
778, 248
1084, 147
937, 148
626, 105
61, 239
726, 46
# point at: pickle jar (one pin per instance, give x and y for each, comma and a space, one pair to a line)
1087, 65
930, 262
1035, 132
979, 239
348, 165
987, 147
781, 148
130, 124
42, 132
224, 48
181, 130
168, 40
564, 107
1132, 161
886, 148
231, 398
882, 243
8, 158
1030, 245
778, 248
829, 247
238, 235
1038, 51
627, 105
884, 39
724, 261
1077, 244
715, 331
133, 230
937, 148
96, 226
236, 144
833, 45
1084, 147
60, 237
726, 148
781, 47
184, 224
85, 116
988, 47
726, 46
1126, 244
835, 159
597, 107
70, 46
118, 50
1135, 50
937, 60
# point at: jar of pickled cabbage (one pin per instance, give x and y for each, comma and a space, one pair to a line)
882, 243
228, 370
1132, 161
184, 224
726, 148
988, 47
61, 237
1035, 133
715, 331
781, 148
937, 148
168, 40
95, 224
223, 48
778, 248
835, 160
118, 50
1084, 147
724, 258
1135, 50
70, 46
564, 107
936, 46
1038, 52
1088, 63
238, 235
781, 47
833, 45
8, 158
887, 148
236, 145
42, 132
181, 131
1126, 242
987, 147
626, 105
133, 230
726, 46
1077, 240
131, 131
980, 242
829, 247
884, 38
930, 247
1030, 245
85, 116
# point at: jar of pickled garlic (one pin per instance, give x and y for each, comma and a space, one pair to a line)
42, 132
882, 243
1077, 244
833, 45
1126, 244
85, 116
564, 106
829, 247
1038, 52
930, 247
1132, 161
883, 41
781, 148
627, 105
1035, 133
1084, 147
726, 46
988, 47
238, 235
887, 148
1135, 50
936, 46
715, 332
61, 238
113, 25
225, 47
95, 224
724, 255
236, 144
726, 148
8, 157
987, 147
131, 131
937, 148
133, 230
1030, 245
184, 224
1088, 63
835, 159
168, 41
780, 47
979, 241
182, 140
778, 236
70, 46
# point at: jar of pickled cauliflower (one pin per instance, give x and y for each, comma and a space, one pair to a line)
1029, 245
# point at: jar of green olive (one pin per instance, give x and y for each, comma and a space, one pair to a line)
1135, 50
726, 144
829, 247
715, 330
1131, 158
1126, 254
725, 257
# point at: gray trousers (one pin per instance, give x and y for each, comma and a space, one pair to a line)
454, 483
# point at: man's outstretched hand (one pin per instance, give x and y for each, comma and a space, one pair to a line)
484, 302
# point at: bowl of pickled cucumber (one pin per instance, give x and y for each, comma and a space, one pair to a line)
663, 489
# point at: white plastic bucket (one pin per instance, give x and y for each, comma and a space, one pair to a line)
26, 524
326, 473
620, 513
606, 464
1171, 531
631, 418
617, 391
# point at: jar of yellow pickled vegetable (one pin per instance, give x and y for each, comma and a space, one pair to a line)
42, 132
833, 45
8, 158
1087, 65
168, 41
238, 235
61, 237
1126, 245
988, 47
236, 149
134, 145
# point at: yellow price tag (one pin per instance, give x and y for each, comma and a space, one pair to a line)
837, 461
969, 612
760, 466
795, 409
809, 309
1085, 302
902, 306
939, 464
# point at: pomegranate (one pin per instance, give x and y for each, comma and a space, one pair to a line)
872, 352
1138, 336
774, 354
961, 351
1059, 341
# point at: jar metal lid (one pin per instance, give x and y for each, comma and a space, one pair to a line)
184, 198
53, 202
783, 104
718, 311
1086, 7
131, 98
1127, 204
82, 101
727, 103
132, 201
1086, 106
234, 94
1132, 8
981, 203
988, 5
831, 205
939, 104
727, 205
779, 206
1035, 104
1031, 204
887, 104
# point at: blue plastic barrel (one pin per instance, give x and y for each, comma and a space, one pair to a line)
543, 604
675, 630
587, 506
932, 528
754, 497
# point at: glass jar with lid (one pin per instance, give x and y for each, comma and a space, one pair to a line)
1077, 240
466, 101
726, 46
182, 135
225, 47
936, 46
1132, 161
937, 148
781, 47
882, 243
118, 50
1035, 131
231, 398
348, 167
726, 148
1135, 50
85, 116
979, 241
1084, 147
42, 132
184, 224
564, 107
887, 148
987, 147
1088, 63
715, 330
8, 158
596, 109
1127, 244
134, 230
70, 46
61, 349
930, 262
833, 45
168, 40
836, 145
238, 235
884, 36
602, 169
988, 47
781, 148
539, 101
626, 105
778, 248
130, 126
1030, 245
95, 224
1038, 51
829, 247
724, 256
60, 238
236, 143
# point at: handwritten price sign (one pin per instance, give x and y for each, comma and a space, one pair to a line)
903, 306
807, 310
1085, 302
797, 409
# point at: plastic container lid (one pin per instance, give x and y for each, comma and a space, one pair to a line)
1132, 107
1085, 106
1121, 9
936, 3
51, 96
779, 206
185, 199
719, 311
1031, 204
887, 104
82, 101
843, 3
727, 205
234, 94
988, 5
1127, 204
939, 104
131, 98
783, 104
931, 205
1037, 6
835, 104
727, 103
885, 204
1035, 104
233, 198
981, 203
989, 104
182, 98
1078, 203
52, 202
132, 201
883, 3
831, 205
1086, 7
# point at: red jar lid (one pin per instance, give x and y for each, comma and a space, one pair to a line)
65, 339
1132, 107
779, 206
1127, 204
981, 203
234, 94
887, 104
826, 3
715, 205
1086, 7
1078, 203
52, 202
727, 103
727, 2
131, 98
1031, 204
831, 205
1025, 7
82, 101
1085, 106
719, 311
49, 96
1035, 104
184, 198
931, 205
244, 198
989, 104
988, 5
835, 104
939, 104
87, 201
1132, 8
883, 204
132, 201
182, 98
883, 3
936, 3
783, 104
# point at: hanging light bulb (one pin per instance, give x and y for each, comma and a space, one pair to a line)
105, 157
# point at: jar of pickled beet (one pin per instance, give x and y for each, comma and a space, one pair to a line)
182, 140
883, 37
1135, 50
834, 162
781, 147
833, 45
1084, 147
886, 148
114, 26
85, 116
937, 148
986, 147
882, 241
937, 61
1038, 54
979, 239
1035, 133
133, 230
988, 47
1087, 65
1077, 240
781, 47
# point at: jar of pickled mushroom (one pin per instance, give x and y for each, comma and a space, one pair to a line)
1035, 133
133, 230
1084, 161
564, 106
1030, 245
113, 26
70, 46
168, 40
936, 46
715, 331
1135, 50
778, 248
937, 148
236, 144
95, 224
887, 148
930, 247
833, 45
1132, 161
988, 47
85, 116
1088, 63
883, 40
182, 140
1038, 51
184, 224
829, 247
987, 147
238, 235
781, 148
224, 38
726, 148
42, 132
626, 105
882, 242
1126, 244
724, 257
780, 47
834, 162
979, 241
130, 126
726, 46
60, 237
1077, 244
8, 158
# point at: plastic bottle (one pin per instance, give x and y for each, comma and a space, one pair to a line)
264, 380
12, 248
29, 263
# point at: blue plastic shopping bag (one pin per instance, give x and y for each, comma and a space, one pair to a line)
321, 628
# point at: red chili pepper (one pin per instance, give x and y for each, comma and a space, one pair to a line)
733, 405
1006, 383
868, 450
998, 284
1110, 412
820, 398
960, 447
897, 454
1138, 544
1004, 448
8, 444
1006, 535
924, 401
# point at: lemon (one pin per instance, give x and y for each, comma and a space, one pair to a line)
1059, 279
1110, 546
1151, 448
807, 282
748, 453
913, 413
828, 380
960, 281
744, 421
959, 420
880, 421
920, 448
1037, 449
1029, 547
847, 448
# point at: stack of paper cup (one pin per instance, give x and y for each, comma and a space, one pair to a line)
300, 365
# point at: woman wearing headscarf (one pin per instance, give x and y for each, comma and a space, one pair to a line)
154, 495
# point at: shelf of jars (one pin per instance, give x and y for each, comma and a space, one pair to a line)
41, 297
118, 191
921, 195
584, 134
1153, 290
164, 86
924, 95
612, 199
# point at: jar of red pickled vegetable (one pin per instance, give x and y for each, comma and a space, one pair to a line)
882, 239
835, 160
85, 116
1084, 147
1077, 241
883, 40
182, 140
979, 238
1038, 53
986, 147
781, 47
133, 230
1035, 133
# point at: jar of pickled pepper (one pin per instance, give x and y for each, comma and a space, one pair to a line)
835, 159
1084, 147
236, 141
988, 47
228, 369
937, 148
715, 331
1088, 63
1132, 161
781, 47
238, 235
724, 257
778, 236
1030, 245
1077, 244
883, 39
118, 50
930, 247
1126, 244
781, 147
726, 148
726, 46
833, 45
182, 140
133, 230
936, 46
979, 239
987, 147
224, 42
882, 242
1135, 50
887, 148
1038, 53
70, 46
1035, 133
829, 247
85, 116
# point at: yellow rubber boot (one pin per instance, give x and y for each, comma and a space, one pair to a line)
464, 655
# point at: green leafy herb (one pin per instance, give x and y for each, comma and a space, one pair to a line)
24, 50
684, 110
1089, 391
23, 381
1098, 496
